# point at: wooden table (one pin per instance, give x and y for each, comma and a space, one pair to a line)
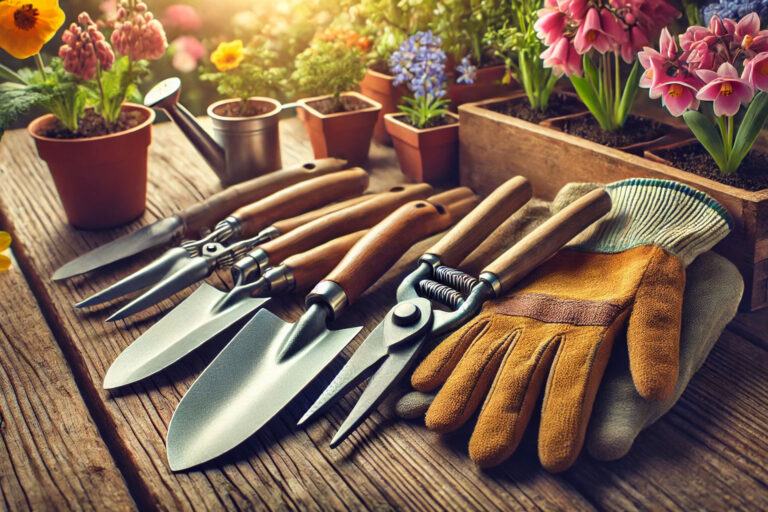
67, 443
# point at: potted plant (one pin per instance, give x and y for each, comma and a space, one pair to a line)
94, 142
339, 123
425, 134
245, 125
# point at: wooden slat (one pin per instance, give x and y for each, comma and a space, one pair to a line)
386, 466
51, 453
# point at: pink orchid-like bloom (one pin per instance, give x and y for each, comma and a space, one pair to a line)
678, 95
85, 49
181, 17
748, 35
575, 9
725, 88
549, 27
756, 71
188, 51
591, 34
638, 39
650, 59
138, 34
562, 57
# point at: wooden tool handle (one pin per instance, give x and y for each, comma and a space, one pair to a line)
360, 216
453, 195
475, 227
544, 241
383, 245
299, 198
210, 211
311, 266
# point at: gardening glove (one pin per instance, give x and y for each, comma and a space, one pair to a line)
627, 270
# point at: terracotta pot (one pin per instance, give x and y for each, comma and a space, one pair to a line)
342, 135
431, 154
494, 147
378, 86
102, 181
487, 85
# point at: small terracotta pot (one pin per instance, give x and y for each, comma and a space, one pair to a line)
487, 84
378, 86
342, 135
431, 154
102, 181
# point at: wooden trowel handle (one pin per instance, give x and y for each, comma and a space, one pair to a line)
544, 241
299, 198
360, 216
383, 245
310, 267
210, 211
465, 236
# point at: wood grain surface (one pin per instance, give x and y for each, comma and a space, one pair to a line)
709, 452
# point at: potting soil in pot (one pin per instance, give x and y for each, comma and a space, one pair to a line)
251, 109
635, 130
348, 104
434, 123
559, 105
752, 174
93, 125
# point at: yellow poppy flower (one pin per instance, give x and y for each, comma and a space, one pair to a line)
228, 55
5, 242
26, 25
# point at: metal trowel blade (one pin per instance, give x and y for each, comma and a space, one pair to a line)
244, 387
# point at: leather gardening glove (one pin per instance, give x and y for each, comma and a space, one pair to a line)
559, 324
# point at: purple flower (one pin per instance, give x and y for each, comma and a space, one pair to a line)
466, 72
420, 63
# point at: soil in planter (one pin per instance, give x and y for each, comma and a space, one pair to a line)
93, 125
751, 175
559, 105
252, 109
348, 104
434, 123
635, 130
380, 66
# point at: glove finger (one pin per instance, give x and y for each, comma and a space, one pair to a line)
466, 387
513, 395
438, 365
653, 333
570, 393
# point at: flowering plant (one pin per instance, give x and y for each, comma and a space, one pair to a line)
704, 66
390, 22
420, 64
587, 39
245, 72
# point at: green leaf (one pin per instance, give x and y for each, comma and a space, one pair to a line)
707, 135
590, 71
749, 130
10, 75
588, 95
631, 87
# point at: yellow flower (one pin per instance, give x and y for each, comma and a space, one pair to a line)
5, 242
228, 55
26, 25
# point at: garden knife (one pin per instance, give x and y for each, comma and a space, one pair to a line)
245, 222
190, 221
270, 361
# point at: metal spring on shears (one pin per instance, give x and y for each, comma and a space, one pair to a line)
448, 291
456, 279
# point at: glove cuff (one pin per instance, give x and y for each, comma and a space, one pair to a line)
681, 220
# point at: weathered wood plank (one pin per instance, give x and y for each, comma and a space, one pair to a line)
51, 453
391, 467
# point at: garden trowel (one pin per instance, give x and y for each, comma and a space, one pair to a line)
245, 224
270, 361
197, 217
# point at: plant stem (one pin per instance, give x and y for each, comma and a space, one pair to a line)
617, 97
40, 64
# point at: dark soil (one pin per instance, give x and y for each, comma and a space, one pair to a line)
434, 123
635, 130
347, 104
93, 125
559, 105
752, 174
235, 109
380, 66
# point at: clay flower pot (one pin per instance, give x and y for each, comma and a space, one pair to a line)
343, 134
487, 84
430, 154
102, 181
378, 86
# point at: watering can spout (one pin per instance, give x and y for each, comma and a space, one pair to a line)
165, 96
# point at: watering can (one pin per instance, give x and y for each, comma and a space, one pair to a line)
240, 148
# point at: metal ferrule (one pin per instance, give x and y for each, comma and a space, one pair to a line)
280, 279
244, 270
493, 281
330, 294
268, 233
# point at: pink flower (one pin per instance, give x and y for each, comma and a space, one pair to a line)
573, 8
181, 17
725, 88
562, 57
138, 34
650, 59
749, 36
637, 39
756, 71
549, 27
85, 48
590, 34
678, 95
188, 51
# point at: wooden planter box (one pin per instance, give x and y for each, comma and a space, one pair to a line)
493, 147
